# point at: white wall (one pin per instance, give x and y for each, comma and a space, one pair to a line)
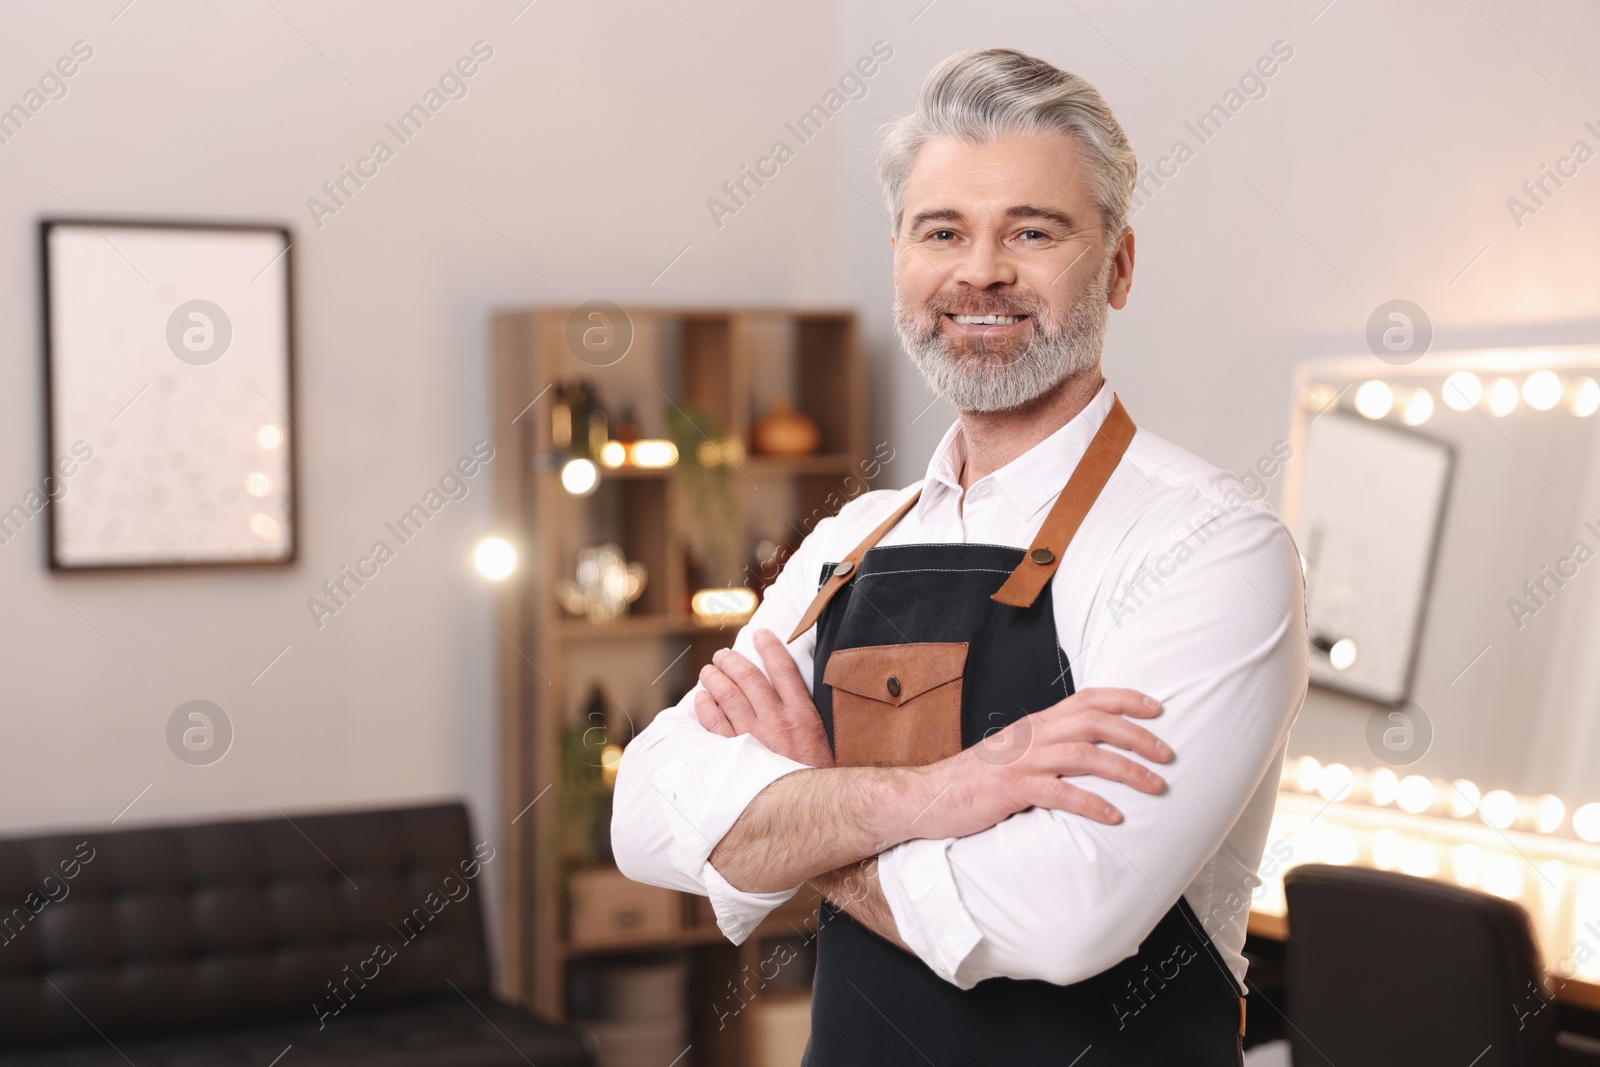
591, 141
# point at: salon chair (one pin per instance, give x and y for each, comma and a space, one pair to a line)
1388, 970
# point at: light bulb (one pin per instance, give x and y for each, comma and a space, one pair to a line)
1464, 797
580, 477
1462, 391
1499, 809
269, 437
1385, 785
1502, 397
257, 484
1586, 822
264, 526
613, 453
495, 558
1585, 397
1307, 772
1319, 396
1419, 409
1542, 390
1335, 782
1548, 814
1415, 794
1342, 654
1374, 399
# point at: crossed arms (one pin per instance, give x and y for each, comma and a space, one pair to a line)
995, 861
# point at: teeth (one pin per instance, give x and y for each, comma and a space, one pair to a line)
988, 320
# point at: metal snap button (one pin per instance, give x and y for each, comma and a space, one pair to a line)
843, 568
1042, 556
894, 686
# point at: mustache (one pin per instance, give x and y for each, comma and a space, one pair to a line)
1009, 304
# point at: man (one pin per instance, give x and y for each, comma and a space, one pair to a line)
962, 653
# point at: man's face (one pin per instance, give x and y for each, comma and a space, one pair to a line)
1007, 229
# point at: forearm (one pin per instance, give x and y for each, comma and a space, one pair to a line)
855, 890
814, 821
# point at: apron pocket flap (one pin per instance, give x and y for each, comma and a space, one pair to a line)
895, 674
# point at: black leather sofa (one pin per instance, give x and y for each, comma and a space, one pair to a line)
351, 938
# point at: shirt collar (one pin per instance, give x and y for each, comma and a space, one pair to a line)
1031, 480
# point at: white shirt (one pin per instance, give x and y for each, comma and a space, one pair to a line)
1178, 584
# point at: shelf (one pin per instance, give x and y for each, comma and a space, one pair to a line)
623, 626
767, 466
732, 364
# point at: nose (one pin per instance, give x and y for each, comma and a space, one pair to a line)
984, 264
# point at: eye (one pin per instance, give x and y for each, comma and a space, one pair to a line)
940, 235
1034, 235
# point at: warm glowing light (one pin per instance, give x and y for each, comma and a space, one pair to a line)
723, 605
1386, 848
1385, 786
1467, 864
1549, 813
1585, 397
1419, 409
1374, 399
1502, 875
613, 454
257, 484
1586, 822
1307, 771
1542, 390
1415, 794
610, 760
1420, 859
1342, 654
1502, 397
1499, 809
653, 453
1320, 396
1335, 782
495, 558
580, 477
1462, 391
1464, 797
269, 437
264, 526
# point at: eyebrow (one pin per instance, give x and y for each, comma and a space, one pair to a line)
1020, 211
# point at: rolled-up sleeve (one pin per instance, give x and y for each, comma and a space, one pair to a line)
680, 787
1052, 895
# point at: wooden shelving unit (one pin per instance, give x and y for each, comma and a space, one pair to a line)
731, 363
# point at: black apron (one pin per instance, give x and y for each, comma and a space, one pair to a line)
921, 651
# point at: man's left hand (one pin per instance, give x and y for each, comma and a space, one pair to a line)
738, 699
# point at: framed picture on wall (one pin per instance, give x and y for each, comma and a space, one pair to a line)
169, 406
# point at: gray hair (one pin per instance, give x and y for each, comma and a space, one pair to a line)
981, 94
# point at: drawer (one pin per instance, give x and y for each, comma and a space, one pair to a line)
607, 908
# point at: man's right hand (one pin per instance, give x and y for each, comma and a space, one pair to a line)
1021, 766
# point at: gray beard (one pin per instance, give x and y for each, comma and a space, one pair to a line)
975, 376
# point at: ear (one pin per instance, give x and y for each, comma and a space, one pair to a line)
1121, 272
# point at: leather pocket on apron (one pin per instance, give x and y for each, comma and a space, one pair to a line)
896, 705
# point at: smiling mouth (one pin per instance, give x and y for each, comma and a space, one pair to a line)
986, 320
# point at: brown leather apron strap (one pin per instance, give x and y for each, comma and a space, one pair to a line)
1067, 513
1044, 555
846, 567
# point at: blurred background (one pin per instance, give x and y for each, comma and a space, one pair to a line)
1401, 199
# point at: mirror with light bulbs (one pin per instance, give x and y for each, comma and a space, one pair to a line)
1446, 510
